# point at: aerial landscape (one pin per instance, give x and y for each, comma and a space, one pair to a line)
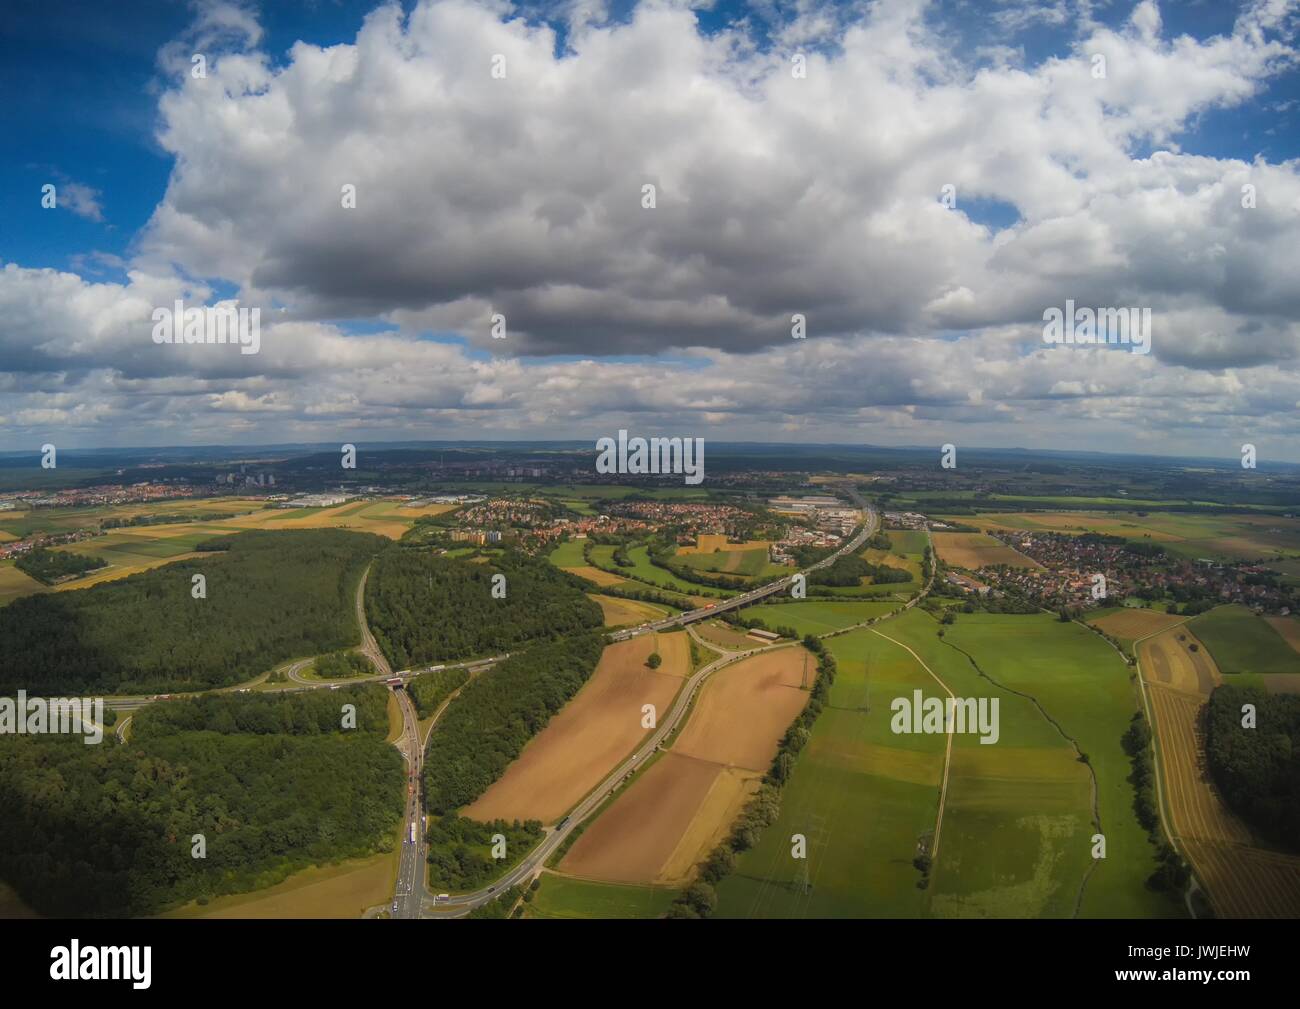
627, 461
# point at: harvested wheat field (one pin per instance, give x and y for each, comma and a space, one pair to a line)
596, 576
1177, 660
1133, 622
745, 708
708, 543
591, 734
1242, 880
684, 804
976, 550
622, 612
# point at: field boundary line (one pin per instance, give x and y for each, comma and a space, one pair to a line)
1074, 744
947, 756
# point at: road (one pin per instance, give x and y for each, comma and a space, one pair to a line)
410, 868
536, 859
369, 646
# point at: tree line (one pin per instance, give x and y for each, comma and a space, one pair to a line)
429, 690
460, 850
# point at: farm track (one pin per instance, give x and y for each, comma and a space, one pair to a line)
947, 755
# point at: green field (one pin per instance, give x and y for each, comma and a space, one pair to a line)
568, 554
1018, 819
861, 795
818, 616
642, 570
1242, 642
1085, 687
567, 897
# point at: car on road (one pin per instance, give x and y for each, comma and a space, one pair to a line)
442, 898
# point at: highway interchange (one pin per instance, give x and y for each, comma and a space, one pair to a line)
412, 898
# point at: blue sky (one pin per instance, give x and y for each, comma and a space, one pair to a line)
92, 72
920, 325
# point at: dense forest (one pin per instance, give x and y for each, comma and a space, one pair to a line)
424, 608
48, 566
270, 596
429, 690
499, 712
1258, 769
273, 783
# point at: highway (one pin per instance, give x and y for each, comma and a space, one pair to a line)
410, 869
536, 859
412, 898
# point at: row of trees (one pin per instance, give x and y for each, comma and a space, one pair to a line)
424, 608
266, 597
1172, 872
109, 830
310, 713
498, 713
851, 569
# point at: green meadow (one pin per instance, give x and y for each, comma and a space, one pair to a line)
1018, 819
819, 616
568, 897
1241, 642
860, 795
1085, 687
568, 554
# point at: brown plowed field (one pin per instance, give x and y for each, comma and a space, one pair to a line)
683, 805
590, 735
1247, 882
632, 840
1289, 628
1242, 880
